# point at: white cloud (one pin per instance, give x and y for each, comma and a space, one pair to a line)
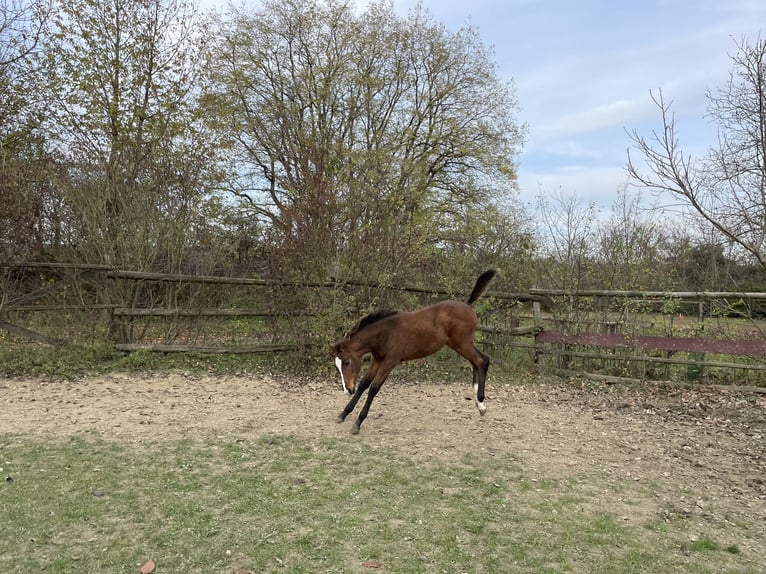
598, 185
618, 113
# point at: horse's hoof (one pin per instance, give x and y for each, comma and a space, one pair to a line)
340, 419
482, 409
355, 429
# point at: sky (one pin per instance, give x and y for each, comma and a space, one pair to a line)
583, 71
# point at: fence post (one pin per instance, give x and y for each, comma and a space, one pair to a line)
537, 314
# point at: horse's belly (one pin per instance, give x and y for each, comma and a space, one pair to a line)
423, 349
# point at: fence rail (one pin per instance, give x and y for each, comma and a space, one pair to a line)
748, 348
705, 295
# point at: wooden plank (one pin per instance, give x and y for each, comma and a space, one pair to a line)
40, 265
750, 348
651, 294
172, 277
37, 293
609, 379
130, 347
180, 278
540, 295
29, 334
42, 308
140, 312
515, 332
558, 352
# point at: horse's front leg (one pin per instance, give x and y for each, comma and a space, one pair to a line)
377, 382
363, 414
363, 385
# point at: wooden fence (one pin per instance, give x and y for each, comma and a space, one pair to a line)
645, 334
166, 328
635, 334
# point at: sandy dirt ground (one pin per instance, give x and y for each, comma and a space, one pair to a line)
699, 453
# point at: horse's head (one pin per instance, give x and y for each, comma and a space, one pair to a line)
349, 364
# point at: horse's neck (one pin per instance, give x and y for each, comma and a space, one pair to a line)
365, 341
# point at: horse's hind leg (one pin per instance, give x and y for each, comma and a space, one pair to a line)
479, 380
480, 364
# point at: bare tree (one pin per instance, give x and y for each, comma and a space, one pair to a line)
21, 26
568, 254
629, 243
727, 188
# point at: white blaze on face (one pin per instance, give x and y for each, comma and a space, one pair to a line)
339, 364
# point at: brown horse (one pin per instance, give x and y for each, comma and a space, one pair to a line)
393, 337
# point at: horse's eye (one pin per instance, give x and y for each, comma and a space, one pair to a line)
346, 363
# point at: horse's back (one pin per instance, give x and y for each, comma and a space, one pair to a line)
459, 315
456, 309
420, 333
452, 318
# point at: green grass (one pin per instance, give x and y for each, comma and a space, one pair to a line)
286, 505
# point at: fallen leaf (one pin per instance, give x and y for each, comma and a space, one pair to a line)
148, 568
372, 564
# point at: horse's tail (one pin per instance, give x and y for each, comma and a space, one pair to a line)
481, 285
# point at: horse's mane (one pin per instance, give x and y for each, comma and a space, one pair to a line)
368, 320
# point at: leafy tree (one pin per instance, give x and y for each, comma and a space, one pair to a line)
361, 139
497, 236
122, 80
727, 188
25, 168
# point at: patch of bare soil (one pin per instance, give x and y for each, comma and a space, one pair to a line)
693, 454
